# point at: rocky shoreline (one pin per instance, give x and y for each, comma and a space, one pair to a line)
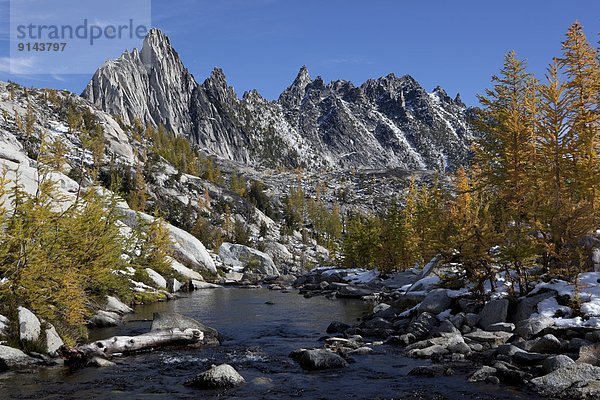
501, 341
523, 342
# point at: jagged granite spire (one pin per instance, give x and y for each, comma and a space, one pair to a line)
294, 94
151, 85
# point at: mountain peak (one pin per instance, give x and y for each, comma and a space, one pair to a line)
293, 95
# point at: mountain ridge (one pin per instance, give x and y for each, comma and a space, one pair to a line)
389, 122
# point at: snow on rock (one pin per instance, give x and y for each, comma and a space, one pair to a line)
588, 290
550, 307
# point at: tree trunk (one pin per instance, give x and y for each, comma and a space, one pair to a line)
129, 344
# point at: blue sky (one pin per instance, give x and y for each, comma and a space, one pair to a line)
261, 44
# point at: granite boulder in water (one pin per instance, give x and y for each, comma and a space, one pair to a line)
163, 321
217, 377
318, 359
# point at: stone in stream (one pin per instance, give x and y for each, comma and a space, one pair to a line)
482, 374
117, 306
337, 327
318, 359
12, 359
217, 377
104, 319
510, 374
174, 320
493, 311
573, 381
351, 291
431, 371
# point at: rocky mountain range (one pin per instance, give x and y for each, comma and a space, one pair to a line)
390, 122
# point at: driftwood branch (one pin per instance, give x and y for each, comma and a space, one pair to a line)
130, 344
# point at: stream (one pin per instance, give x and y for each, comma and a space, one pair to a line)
259, 338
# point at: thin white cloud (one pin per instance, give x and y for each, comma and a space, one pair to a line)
345, 60
17, 65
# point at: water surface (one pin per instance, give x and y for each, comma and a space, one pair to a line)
259, 338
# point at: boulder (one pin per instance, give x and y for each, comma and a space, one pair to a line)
422, 325
546, 344
187, 249
510, 374
163, 321
30, 327
279, 253
217, 377
528, 358
573, 381
431, 371
185, 271
104, 319
428, 352
174, 285
159, 281
553, 363
53, 340
240, 256
190, 251
482, 374
590, 354
3, 325
493, 311
355, 292
233, 277
528, 305
493, 338
117, 306
318, 359
532, 326
501, 327
377, 323
11, 358
435, 302
471, 320
199, 285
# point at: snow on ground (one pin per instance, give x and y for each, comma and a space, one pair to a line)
550, 307
588, 292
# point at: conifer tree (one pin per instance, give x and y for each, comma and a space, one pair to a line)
581, 68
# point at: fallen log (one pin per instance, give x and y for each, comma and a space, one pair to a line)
81, 355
